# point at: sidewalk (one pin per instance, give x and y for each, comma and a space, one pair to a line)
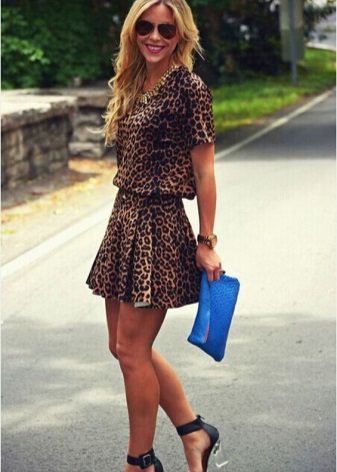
44, 206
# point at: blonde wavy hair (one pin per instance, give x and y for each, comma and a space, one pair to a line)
129, 64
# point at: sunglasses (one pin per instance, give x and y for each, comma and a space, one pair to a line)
166, 30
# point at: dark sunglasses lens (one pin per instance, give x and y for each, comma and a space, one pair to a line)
168, 31
143, 27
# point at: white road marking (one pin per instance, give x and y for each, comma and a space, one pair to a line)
275, 124
56, 241
32, 255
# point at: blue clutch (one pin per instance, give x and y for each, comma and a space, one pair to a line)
217, 301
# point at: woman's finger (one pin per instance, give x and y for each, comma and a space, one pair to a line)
217, 273
210, 275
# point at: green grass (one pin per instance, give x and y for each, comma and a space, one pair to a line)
239, 104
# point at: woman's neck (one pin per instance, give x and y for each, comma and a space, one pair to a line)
154, 72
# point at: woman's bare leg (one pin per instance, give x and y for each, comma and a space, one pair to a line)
136, 331
175, 404
172, 396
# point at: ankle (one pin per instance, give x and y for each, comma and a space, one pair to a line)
147, 460
191, 438
196, 440
136, 468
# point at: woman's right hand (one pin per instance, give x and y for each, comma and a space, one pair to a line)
207, 259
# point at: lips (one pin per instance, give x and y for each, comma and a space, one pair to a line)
154, 49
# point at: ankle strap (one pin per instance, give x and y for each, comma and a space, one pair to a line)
187, 428
143, 461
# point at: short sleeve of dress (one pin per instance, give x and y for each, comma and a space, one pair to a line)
199, 125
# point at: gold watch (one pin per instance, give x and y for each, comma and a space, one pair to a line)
209, 240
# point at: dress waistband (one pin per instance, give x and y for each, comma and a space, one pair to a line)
153, 197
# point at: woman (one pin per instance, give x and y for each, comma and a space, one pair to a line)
160, 116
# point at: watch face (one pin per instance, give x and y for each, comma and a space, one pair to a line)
209, 240
213, 240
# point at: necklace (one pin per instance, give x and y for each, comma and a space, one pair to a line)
145, 97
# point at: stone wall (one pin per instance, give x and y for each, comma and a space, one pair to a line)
42, 128
35, 132
91, 103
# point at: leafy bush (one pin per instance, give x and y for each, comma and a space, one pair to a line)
48, 43
23, 59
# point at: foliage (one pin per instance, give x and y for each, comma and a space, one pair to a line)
48, 42
314, 13
242, 38
23, 58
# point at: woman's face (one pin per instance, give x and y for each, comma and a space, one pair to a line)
157, 14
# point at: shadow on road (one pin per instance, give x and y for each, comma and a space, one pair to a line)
272, 396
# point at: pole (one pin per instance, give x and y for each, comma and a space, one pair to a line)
292, 40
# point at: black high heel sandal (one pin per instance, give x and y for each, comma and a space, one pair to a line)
214, 448
146, 460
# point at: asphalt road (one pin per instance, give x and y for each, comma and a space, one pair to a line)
273, 396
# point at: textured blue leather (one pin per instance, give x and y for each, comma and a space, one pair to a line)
217, 302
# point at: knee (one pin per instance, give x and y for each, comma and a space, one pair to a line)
113, 348
130, 357
124, 355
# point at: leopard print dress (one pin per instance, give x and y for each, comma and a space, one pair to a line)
147, 255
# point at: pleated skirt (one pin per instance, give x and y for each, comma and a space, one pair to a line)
147, 254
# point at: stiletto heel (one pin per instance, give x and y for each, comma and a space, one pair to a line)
146, 460
214, 451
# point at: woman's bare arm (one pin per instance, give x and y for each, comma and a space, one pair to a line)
203, 169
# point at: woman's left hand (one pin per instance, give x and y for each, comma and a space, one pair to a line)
207, 259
